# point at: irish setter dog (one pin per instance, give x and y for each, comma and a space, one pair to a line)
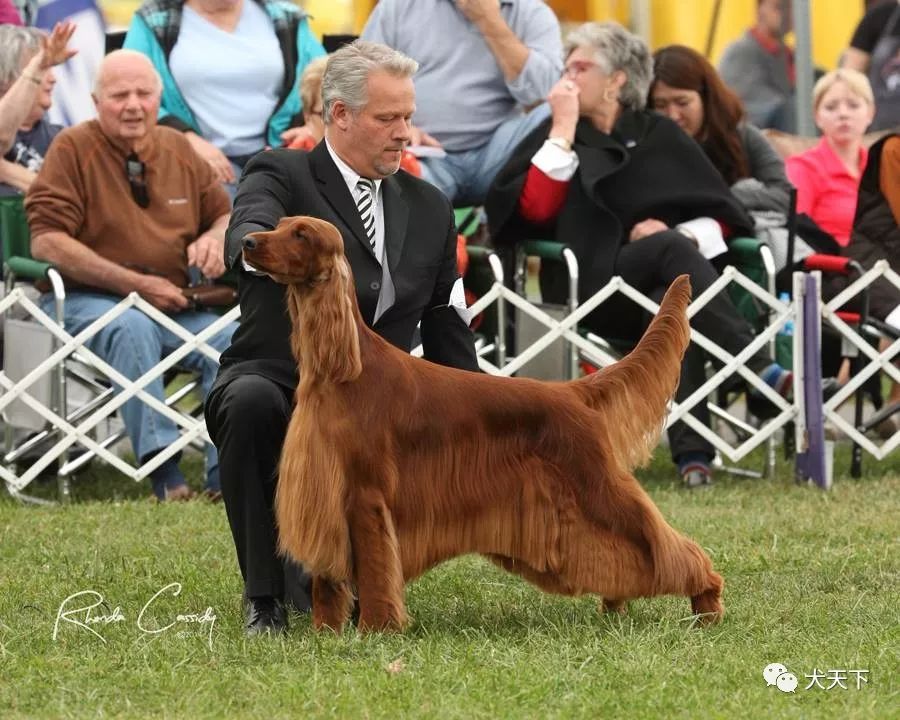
393, 464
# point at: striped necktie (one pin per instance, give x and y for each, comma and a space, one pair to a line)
366, 205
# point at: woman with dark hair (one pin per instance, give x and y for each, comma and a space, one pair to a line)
632, 196
687, 89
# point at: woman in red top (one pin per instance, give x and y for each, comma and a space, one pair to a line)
633, 196
827, 176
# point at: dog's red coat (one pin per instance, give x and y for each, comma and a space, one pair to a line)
393, 464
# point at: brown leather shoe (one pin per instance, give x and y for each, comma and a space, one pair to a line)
181, 493
213, 496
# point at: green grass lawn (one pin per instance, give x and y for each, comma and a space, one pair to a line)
811, 582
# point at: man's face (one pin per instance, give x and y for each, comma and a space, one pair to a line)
372, 140
127, 101
771, 17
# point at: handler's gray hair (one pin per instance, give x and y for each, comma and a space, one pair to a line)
617, 49
17, 46
348, 69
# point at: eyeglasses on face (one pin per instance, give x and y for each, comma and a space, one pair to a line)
577, 67
136, 172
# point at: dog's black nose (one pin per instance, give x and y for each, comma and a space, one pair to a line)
249, 243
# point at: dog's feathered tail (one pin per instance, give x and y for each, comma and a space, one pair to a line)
633, 394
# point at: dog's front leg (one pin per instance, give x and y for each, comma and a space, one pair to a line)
331, 603
376, 562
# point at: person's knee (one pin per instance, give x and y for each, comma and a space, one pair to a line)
673, 241
132, 333
249, 404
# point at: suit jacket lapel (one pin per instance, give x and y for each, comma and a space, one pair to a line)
335, 191
396, 217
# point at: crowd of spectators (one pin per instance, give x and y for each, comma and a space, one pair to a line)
554, 139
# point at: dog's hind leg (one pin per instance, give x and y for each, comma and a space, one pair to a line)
377, 565
331, 603
619, 568
637, 553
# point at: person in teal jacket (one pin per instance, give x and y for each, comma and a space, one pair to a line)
229, 71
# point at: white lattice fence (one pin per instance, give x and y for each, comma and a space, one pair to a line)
80, 432
729, 365
193, 429
878, 361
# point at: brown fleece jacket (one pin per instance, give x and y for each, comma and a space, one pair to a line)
83, 190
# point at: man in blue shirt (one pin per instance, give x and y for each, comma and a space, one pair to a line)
482, 65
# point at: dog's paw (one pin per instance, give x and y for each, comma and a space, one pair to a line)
708, 608
609, 605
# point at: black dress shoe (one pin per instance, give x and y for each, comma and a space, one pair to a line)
265, 615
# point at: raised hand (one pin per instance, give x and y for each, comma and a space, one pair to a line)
54, 47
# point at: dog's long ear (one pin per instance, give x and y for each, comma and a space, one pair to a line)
298, 227
329, 235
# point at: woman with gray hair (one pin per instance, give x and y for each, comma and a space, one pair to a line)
27, 58
632, 195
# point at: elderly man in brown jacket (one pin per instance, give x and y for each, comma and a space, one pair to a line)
119, 206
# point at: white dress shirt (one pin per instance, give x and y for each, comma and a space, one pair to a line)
351, 177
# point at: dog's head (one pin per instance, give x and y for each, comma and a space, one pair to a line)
299, 251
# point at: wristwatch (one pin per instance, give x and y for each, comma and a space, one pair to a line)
560, 142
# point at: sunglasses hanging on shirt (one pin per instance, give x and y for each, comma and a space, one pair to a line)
135, 170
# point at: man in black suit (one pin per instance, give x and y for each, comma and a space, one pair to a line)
400, 239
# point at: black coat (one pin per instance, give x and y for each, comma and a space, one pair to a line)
646, 168
876, 234
420, 238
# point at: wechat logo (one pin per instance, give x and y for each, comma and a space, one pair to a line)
778, 675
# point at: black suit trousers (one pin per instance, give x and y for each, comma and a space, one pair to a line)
247, 417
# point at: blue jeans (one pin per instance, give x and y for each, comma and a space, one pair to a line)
465, 177
132, 344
